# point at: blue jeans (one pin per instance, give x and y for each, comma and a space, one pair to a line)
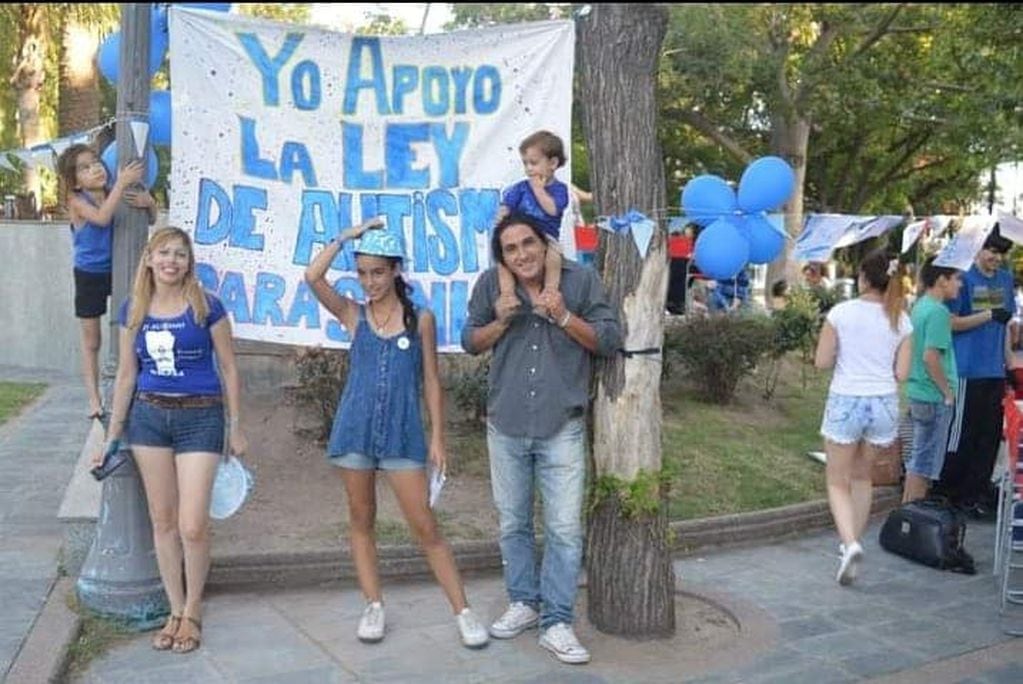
557, 465
931, 421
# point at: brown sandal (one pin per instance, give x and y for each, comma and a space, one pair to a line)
189, 642
164, 639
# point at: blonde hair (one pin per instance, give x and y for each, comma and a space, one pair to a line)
143, 287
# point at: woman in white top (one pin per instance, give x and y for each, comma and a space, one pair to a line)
867, 341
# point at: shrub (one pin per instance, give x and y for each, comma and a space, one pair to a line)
468, 388
321, 377
718, 351
793, 328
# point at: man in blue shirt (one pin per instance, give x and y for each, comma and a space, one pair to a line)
536, 422
980, 315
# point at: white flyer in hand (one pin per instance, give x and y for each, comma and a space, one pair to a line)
437, 480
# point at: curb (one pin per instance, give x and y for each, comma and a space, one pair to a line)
43, 657
407, 562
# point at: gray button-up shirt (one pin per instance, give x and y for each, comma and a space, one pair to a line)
539, 376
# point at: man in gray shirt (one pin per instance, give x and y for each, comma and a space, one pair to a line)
536, 406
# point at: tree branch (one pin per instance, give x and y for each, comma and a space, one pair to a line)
707, 128
879, 32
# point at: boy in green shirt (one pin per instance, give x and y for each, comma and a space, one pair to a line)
933, 379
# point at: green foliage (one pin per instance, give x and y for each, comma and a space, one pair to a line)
794, 329
383, 24
16, 395
907, 103
321, 377
639, 498
289, 12
474, 15
718, 351
468, 388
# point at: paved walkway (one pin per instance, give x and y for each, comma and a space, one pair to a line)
38, 450
798, 625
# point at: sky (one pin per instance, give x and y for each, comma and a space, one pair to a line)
349, 15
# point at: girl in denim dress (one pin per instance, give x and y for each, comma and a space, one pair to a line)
378, 426
867, 340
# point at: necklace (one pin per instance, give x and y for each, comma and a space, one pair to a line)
380, 327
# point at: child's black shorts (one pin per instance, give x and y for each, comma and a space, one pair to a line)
91, 293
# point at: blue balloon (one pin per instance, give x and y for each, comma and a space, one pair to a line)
109, 56
765, 241
160, 117
721, 250
707, 198
766, 184
158, 18
109, 158
211, 6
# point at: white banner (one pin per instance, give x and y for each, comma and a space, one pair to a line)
284, 135
963, 248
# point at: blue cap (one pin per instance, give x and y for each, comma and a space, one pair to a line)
380, 242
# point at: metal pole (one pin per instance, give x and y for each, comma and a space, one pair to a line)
120, 578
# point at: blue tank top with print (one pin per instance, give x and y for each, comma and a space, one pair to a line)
379, 415
94, 244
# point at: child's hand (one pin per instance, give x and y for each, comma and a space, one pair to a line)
554, 303
538, 183
130, 174
506, 307
140, 199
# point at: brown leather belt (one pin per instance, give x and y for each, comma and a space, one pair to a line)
184, 401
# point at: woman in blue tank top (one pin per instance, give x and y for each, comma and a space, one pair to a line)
378, 424
91, 210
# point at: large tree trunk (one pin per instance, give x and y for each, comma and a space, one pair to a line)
79, 100
27, 81
630, 577
790, 140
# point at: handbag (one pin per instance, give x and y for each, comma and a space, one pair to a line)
231, 487
929, 532
113, 458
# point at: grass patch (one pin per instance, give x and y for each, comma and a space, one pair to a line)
95, 639
746, 456
16, 395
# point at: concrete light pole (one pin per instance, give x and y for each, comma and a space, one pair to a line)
120, 578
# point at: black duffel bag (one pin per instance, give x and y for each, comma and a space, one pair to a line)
931, 532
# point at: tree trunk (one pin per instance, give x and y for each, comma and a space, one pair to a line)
27, 80
79, 99
631, 583
790, 140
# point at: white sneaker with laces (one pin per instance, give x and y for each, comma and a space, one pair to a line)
371, 624
518, 618
851, 557
560, 640
474, 635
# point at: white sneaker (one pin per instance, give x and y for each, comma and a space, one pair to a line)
560, 640
851, 557
518, 618
371, 624
473, 633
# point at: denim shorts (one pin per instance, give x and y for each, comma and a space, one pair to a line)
354, 461
931, 421
184, 430
849, 419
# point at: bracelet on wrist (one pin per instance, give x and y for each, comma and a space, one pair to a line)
563, 323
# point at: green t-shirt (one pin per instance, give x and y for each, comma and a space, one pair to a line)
932, 329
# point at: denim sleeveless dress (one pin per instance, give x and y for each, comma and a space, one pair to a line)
379, 415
